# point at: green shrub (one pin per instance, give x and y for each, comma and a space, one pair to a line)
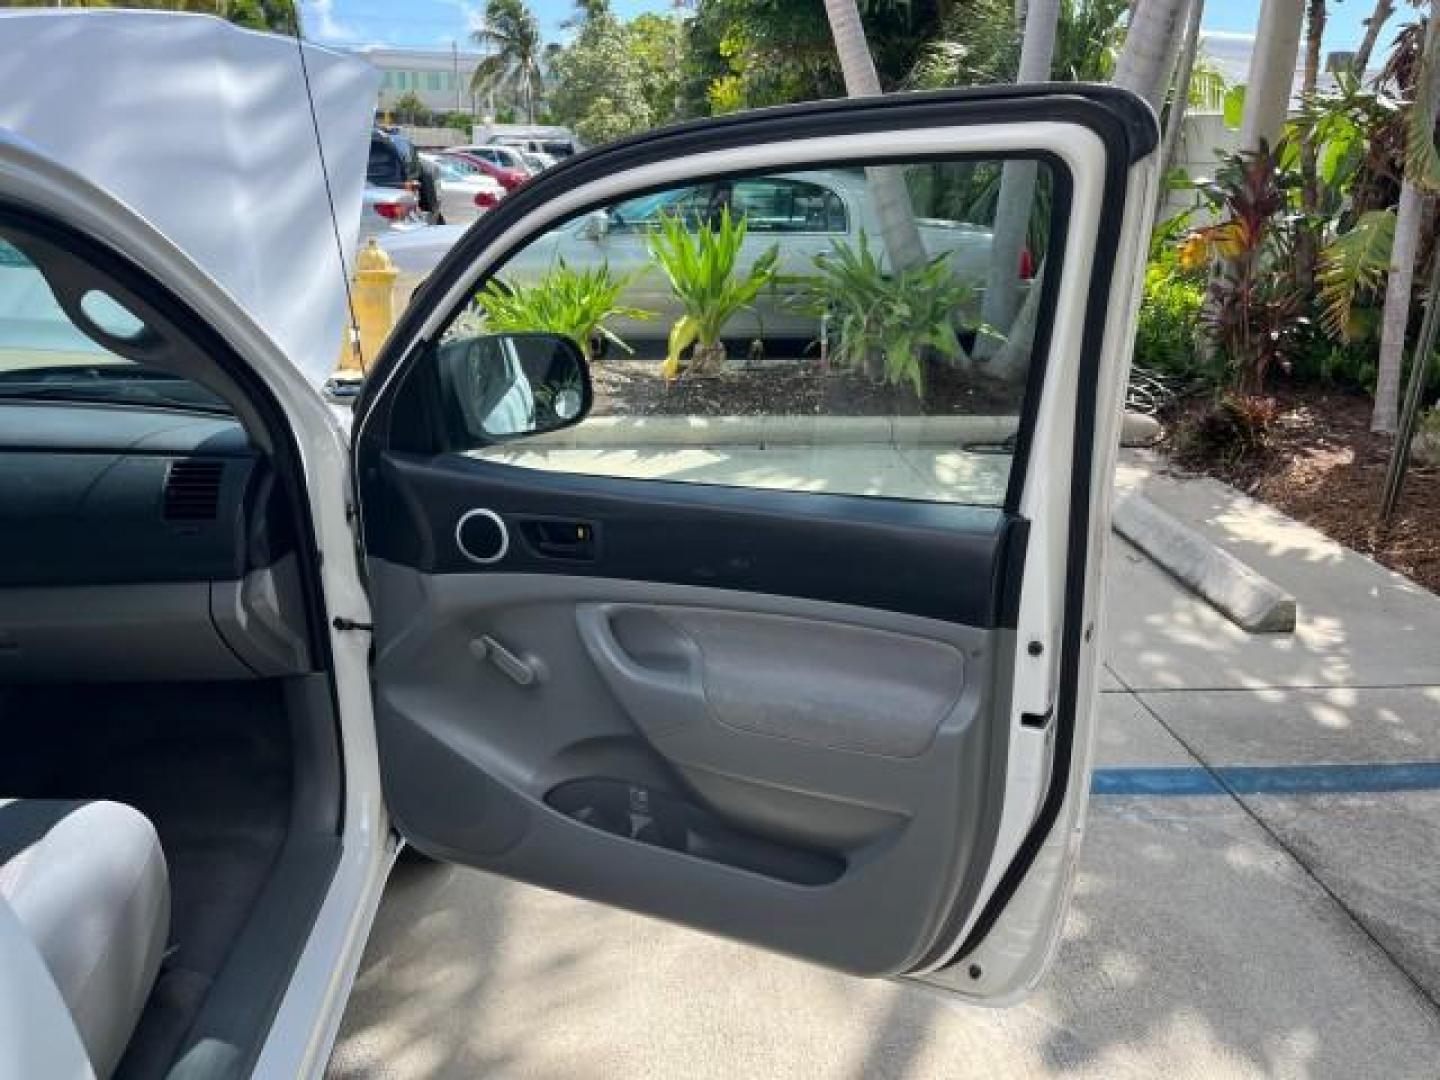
886, 325
1167, 337
703, 268
1351, 364
575, 303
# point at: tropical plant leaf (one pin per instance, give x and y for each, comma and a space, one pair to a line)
897, 320
575, 303
1422, 156
703, 267
682, 336
1352, 266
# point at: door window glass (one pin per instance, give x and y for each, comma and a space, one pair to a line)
759, 331
780, 205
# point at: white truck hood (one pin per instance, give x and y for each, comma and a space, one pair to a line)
205, 131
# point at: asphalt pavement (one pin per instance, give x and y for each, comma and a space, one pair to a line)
1259, 893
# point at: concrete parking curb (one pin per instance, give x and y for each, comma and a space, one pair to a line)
633, 431
1252, 602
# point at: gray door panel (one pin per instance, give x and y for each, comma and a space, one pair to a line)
782, 819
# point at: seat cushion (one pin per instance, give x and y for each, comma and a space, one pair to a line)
88, 881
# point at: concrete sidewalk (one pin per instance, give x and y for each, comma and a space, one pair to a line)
1259, 935
1357, 684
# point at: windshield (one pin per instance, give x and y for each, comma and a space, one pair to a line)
649, 207
452, 169
47, 355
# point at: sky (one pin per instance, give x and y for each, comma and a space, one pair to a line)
430, 24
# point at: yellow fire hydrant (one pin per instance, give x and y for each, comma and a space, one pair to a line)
374, 299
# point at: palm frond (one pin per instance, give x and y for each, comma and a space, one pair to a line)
1352, 266
490, 74
1422, 156
575, 303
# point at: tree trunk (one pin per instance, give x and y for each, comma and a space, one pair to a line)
1409, 416
1180, 99
1396, 318
1017, 190
1307, 243
1271, 77
1395, 321
1383, 10
886, 184
1148, 58
707, 359
1144, 68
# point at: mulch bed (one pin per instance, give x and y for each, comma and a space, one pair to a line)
625, 387
1326, 469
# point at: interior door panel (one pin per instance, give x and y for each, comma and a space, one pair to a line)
760, 741
778, 826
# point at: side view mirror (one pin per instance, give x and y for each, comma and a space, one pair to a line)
594, 225
508, 386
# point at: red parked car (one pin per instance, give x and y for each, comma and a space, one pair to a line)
509, 179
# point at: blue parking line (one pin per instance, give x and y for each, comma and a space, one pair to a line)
1164, 781
1174, 780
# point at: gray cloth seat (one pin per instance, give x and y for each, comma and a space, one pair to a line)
89, 883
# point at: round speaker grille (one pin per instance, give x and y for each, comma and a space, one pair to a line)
482, 537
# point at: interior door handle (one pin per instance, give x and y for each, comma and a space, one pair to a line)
523, 670
556, 539
654, 668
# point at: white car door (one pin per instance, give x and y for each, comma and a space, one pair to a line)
792, 700
829, 690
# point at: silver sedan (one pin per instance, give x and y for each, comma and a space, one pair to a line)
802, 214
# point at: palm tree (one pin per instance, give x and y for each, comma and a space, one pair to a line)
1383, 10
1144, 67
1421, 179
1017, 188
1307, 239
511, 30
1151, 44
886, 184
1180, 99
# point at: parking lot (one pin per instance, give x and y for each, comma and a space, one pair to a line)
1257, 894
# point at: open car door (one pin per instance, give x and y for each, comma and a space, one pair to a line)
797, 647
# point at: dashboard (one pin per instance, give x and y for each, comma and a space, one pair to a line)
141, 543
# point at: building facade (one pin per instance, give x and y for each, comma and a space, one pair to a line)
438, 77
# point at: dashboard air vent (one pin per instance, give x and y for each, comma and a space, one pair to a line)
192, 490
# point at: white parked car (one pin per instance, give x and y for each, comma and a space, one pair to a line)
386, 209
465, 192
507, 157
556, 144
247, 651
801, 214
538, 160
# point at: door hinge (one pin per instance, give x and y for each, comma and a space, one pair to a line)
341, 623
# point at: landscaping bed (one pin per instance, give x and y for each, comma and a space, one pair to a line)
627, 387
1325, 468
